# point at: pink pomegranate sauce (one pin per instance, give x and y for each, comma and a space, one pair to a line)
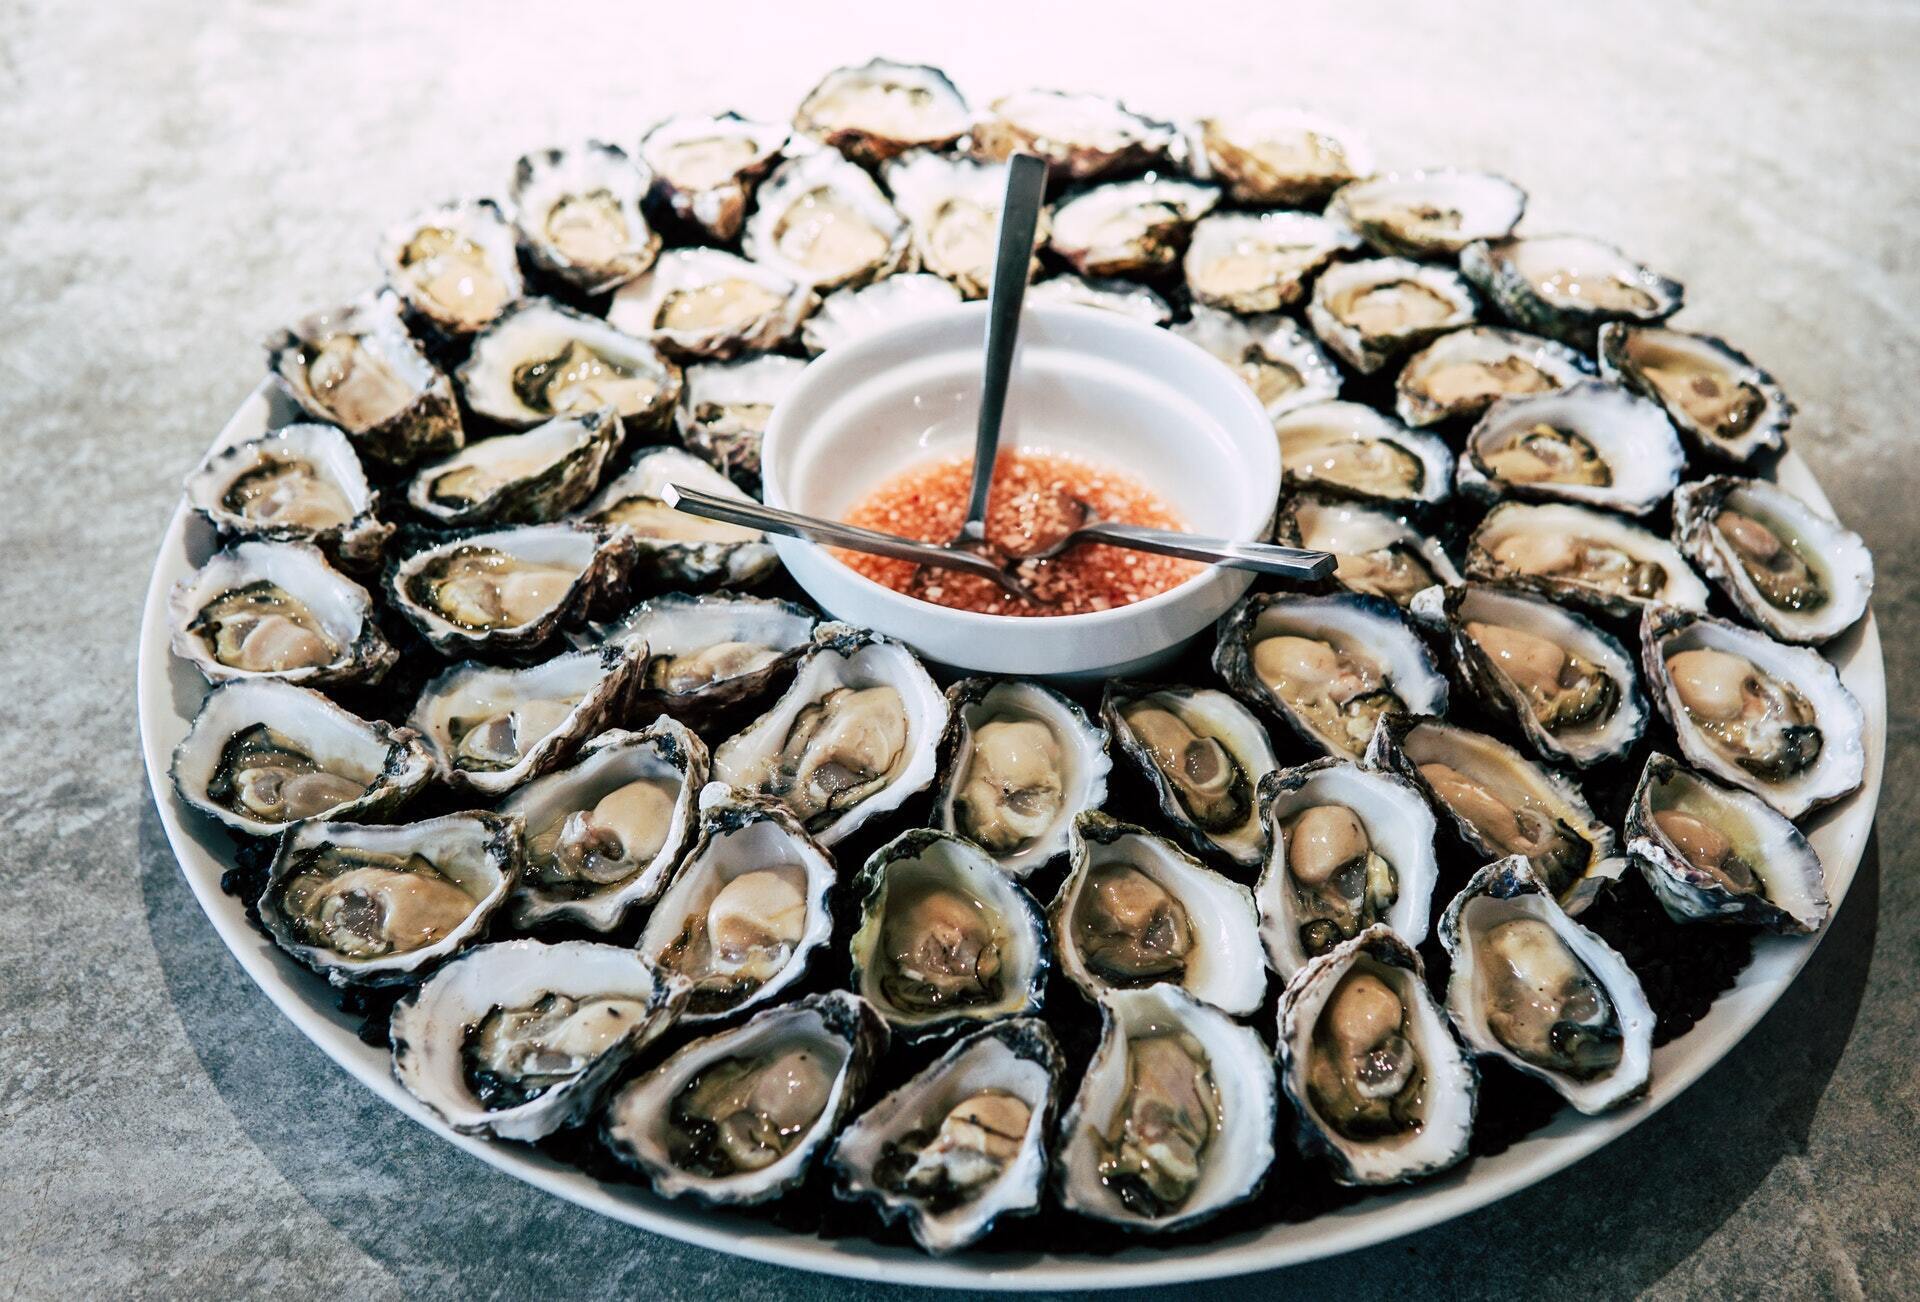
1029, 507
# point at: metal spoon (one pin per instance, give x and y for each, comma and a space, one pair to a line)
1267, 558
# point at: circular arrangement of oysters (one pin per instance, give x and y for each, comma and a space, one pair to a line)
647, 856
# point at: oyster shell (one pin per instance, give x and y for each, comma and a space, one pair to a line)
708, 653
541, 360
1788, 568
1428, 214
1531, 986
374, 905
357, 367
961, 1144
706, 167
529, 478
1280, 362
1590, 558
577, 214
1379, 552
848, 314
1347, 449
1590, 443
724, 409
1018, 762
946, 939
1125, 228
741, 1116
710, 303
1567, 286
672, 547
1081, 136
502, 591
878, 110
1725, 407
1328, 666
605, 833
1135, 910
852, 739
1461, 373
1278, 155
455, 265
1715, 853
1204, 755
277, 610
1371, 312
1754, 712
1380, 1085
1174, 1117
299, 483
1122, 296
262, 754
953, 206
518, 1039
1348, 847
1260, 262
491, 729
746, 912
820, 221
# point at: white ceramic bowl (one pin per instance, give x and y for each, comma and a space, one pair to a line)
1089, 383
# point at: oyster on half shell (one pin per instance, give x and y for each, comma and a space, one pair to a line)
1460, 374
1567, 286
1279, 360
881, 108
1082, 137
706, 167
299, 483
1793, 571
455, 265
821, 222
501, 592
1370, 313
1378, 552
1278, 155
529, 478
710, 303
1126, 228
1591, 443
540, 360
577, 213
1590, 558
1429, 214
672, 547
1348, 449
1725, 407
277, 610
1204, 754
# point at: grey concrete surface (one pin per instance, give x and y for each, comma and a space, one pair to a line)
176, 179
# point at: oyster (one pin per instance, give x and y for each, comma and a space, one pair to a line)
1080, 136
953, 206
705, 654
1328, 666
945, 939
1754, 712
1428, 214
577, 213
1279, 361
1502, 803
1348, 449
853, 737
740, 1117
1018, 762
299, 483
1122, 296
746, 912
1375, 1071
710, 303
1461, 373
502, 591
961, 1144
1788, 568
670, 546
1371, 312
1590, 443
541, 360
705, 168
528, 478
454, 265
848, 314
882, 108
277, 610
1348, 847
1569, 687
1715, 853
1278, 155
724, 409
365, 904
1260, 262
820, 221
1530, 985
262, 754
1590, 558
518, 1039
605, 833
1378, 552
1724, 406
1567, 286
357, 367
1136, 911
1174, 1117
1125, 228
1204, 755
492, 729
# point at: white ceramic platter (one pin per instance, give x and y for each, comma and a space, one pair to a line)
170, 691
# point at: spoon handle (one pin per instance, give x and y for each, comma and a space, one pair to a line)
1267, 558
1019, 216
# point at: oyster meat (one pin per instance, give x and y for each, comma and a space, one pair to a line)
1204, 754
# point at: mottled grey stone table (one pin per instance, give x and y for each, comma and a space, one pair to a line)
177, 178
